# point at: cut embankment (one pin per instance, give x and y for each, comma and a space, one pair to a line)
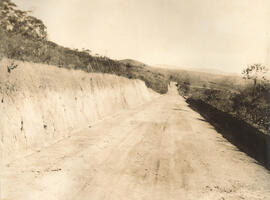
41, 104
247, 138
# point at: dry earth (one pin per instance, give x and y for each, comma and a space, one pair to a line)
41, 104
161, 150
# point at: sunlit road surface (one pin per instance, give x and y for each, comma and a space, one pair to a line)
159, 151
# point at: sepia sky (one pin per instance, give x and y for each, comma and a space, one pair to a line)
224, 35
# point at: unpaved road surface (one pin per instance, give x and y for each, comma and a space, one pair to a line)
162, 150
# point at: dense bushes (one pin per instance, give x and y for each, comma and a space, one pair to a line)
221, 99
252, 107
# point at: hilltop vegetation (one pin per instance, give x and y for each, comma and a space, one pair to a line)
24, 37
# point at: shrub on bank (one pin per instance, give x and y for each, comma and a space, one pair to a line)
253, 108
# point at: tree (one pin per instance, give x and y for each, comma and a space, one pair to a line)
16, 21
255, 72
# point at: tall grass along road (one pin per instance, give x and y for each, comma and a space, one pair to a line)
160, 150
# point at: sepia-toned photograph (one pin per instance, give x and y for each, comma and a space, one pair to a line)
134, 100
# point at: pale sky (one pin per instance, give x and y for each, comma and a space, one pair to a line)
220, 34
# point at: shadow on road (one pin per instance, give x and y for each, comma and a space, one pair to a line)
245, 137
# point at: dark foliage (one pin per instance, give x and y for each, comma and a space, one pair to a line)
253, 108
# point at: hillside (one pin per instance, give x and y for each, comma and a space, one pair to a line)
206, 78
19, 43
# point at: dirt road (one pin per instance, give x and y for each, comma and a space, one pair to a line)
160, 151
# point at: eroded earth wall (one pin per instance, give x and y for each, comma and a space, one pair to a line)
41, 104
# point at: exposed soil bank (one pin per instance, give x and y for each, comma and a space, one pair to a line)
40, 104
247, 138
161, 150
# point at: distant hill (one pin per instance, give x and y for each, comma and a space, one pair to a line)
174, 67
133, 62
204, 70
197, 76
